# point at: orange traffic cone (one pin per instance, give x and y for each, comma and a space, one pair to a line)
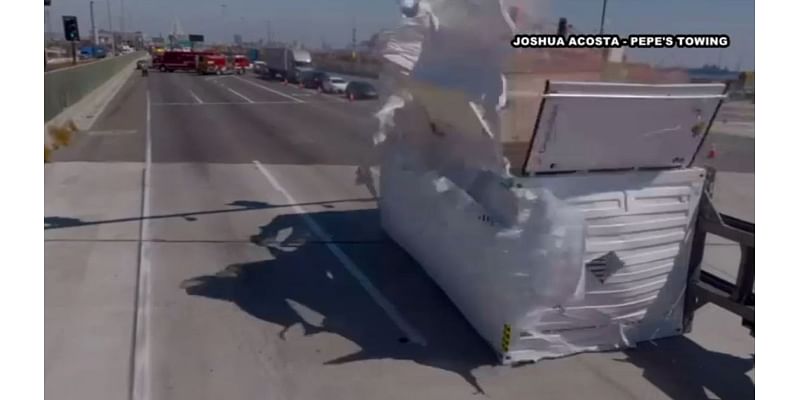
712, 152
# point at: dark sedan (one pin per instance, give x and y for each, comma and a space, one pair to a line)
313, 80
360, 90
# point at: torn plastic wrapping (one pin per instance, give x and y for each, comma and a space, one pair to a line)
527, 274
506, 256
449, 56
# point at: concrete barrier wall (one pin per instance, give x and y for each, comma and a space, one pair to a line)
65, 87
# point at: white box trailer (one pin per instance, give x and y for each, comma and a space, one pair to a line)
605, 257
286, 62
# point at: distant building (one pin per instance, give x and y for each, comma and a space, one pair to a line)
133, 39
104, 37
712, 73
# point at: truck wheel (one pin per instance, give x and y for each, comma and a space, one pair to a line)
162, 68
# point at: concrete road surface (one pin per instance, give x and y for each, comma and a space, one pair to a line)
210, 239
732, 141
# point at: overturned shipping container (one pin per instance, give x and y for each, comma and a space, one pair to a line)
584, 245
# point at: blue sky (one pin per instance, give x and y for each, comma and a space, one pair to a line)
733, 17
311, 21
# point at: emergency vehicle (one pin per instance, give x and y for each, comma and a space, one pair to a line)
213, 64
172, 61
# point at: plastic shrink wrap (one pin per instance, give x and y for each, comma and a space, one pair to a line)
511, 259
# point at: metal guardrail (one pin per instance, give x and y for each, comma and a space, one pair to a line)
705, 287
65, 87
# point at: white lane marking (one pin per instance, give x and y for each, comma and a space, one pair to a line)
148, 156
196, 97
279, 93
241, 95
141, 368
222, 103
112, 132
389, 308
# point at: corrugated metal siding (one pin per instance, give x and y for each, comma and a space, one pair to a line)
637, 242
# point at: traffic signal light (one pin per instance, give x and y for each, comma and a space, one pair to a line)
71, 28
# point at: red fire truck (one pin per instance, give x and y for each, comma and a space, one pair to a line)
213, 64
179, 60
241, 63
220, 64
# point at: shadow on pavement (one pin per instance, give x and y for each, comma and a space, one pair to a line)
682, 369
311, 277
305, 276
57, 222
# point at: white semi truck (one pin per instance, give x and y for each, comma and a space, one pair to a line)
286, 63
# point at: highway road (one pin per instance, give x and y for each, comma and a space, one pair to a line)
211, 238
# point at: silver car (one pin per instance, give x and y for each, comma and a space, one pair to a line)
334, 84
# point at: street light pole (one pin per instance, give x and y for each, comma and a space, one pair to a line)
111, 30
603, 17
49, 25
94, 28
49, 32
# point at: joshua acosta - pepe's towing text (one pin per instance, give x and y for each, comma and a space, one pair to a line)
610, 41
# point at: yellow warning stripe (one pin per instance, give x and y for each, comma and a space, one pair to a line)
506, 341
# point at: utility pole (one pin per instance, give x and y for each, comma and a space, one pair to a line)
94, 28
603, 17
269, 34
49, 25
111, 30
353, 39
49, 31
122, 11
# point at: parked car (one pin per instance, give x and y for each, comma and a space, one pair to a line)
90, 52
360, 90
334, 84
313, 79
